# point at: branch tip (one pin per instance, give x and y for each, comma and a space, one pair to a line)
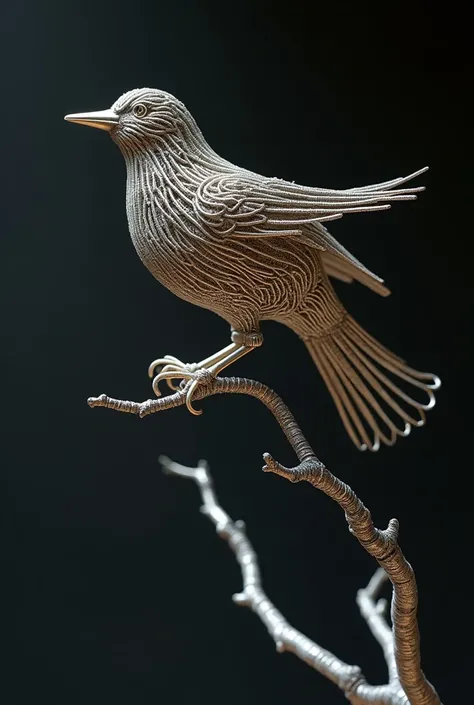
407, 684
393, 529
166, 464
101, 400
272, 465
280, 646
241, 599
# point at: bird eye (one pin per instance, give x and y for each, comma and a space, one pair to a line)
140, 110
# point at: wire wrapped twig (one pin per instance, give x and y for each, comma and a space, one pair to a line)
407, 683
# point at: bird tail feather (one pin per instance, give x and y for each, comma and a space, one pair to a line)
371, 387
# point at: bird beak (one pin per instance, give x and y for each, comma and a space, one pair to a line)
102, 119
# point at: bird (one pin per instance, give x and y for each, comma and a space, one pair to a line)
252, 248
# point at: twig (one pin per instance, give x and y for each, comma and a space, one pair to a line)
285, 636
407, 684
374, 614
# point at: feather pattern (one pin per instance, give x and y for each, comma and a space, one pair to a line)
248, 205
252, 248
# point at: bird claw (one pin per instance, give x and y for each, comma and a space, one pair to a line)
163, 361
187, 374
169, 363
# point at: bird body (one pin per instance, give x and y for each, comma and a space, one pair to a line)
253, 248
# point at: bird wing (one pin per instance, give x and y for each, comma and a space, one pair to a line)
242, 204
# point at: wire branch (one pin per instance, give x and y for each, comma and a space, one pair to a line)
407, 683
286, 638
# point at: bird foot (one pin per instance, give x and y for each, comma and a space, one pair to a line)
170, 364
178, 375
181, 375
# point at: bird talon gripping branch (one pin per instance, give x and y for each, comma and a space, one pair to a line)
190, 376
252, 248
201, 378
171, 369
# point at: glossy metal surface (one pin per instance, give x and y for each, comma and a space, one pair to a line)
102, 119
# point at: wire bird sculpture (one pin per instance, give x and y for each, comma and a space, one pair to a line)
252, 248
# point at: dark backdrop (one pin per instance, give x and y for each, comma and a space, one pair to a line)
119, 590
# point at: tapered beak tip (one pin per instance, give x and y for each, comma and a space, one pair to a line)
102, 119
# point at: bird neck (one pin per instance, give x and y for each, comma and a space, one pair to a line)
186, 157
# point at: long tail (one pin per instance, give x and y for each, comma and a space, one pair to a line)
364, 379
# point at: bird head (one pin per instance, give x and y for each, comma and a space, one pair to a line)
139, 118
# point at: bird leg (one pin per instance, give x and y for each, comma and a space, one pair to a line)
174, 369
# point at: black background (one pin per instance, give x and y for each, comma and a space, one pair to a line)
119, 592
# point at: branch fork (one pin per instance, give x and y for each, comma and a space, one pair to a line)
407, 684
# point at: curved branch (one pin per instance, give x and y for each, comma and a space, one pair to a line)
209, 387
411, 684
